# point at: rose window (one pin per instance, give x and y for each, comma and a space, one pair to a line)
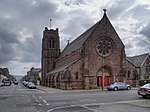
104, 47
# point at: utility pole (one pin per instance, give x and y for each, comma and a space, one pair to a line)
102, 75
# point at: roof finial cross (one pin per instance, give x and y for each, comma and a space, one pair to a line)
104, 11
68, 42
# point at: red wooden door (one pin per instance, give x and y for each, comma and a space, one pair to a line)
106, 81
99, 81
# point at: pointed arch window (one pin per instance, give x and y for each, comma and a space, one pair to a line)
52, 43
128, 75
147, 61
77, 76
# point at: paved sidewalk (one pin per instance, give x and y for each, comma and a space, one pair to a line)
53, 90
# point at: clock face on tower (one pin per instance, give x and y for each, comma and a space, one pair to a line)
104, 47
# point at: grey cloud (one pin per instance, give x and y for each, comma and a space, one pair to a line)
146, 31
40, 10
118, 7
26, 14
7, 41
74, 2
31, 49
6, 53
140, 12
78, 21
143, 43
7, 36
128, 46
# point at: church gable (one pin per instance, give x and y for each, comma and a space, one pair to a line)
102, 28
105, 32
104, 43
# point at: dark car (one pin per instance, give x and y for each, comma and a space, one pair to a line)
144, 90
119, 86
15, 82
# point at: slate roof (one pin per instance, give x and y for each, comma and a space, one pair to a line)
78, 42
138, 60
36, 69
61, 68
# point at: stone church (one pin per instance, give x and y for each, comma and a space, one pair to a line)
95, 59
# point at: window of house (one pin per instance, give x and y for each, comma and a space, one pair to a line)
128, 75
57, 78
147, 68
53, 43
50, 44
77, 76
146, 77
64, 76
147, 61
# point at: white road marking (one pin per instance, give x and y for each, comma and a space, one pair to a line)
131, 101
60, 108
43, 100
39, 103
85, 105
89, 108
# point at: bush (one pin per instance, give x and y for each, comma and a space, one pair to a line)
34, 81
143, 82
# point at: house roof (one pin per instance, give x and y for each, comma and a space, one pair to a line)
79, 41
138, 60
36, 69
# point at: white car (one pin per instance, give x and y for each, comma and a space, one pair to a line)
32, 86
119, 86
144, 91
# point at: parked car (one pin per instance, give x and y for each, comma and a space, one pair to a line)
25, 83
6, 82
119, 86
144, 91
29, 83
32, 86
15, 82
1, 84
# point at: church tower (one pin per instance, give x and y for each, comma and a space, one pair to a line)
50, 51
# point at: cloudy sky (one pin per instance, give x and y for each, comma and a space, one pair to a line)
22, 23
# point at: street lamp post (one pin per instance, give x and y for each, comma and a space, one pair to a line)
102, 76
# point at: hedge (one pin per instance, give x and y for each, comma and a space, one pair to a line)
143, 82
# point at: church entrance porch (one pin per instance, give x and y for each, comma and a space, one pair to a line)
104, 77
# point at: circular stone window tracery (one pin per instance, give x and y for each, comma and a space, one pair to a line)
104, 47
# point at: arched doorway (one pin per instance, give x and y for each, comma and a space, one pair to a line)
103, 76
99, 81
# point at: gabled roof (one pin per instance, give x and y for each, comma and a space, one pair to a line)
138, 60
78, 42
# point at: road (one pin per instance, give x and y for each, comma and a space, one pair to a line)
17, 98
